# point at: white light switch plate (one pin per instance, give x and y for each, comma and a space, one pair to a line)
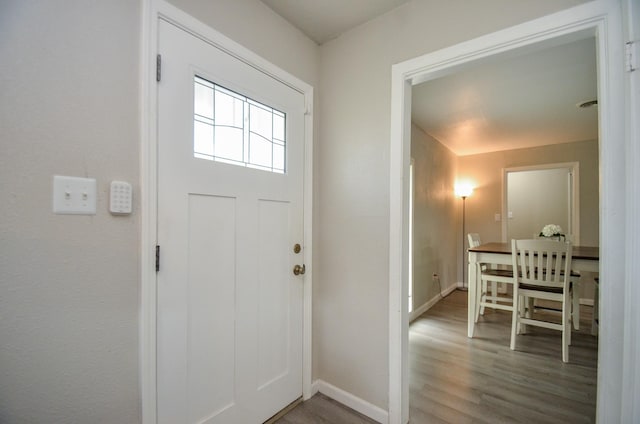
74, 195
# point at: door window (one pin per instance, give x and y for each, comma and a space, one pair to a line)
232, 128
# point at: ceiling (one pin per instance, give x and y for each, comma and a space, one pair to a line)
323, 20
525, 100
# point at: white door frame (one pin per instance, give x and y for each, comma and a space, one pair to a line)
574, 207
602, 19
152, 10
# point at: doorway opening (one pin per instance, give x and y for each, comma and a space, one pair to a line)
577, 23
535, 196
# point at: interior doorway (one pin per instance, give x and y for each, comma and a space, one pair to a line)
578, 23
535, 196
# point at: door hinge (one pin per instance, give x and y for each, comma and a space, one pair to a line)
631, 58
158, 67
157, 258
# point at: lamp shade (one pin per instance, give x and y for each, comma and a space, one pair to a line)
463, 189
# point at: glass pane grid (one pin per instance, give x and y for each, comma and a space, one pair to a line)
234, 129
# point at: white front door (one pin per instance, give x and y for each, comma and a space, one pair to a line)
230, 197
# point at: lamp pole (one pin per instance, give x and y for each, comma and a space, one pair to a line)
464, 198
463, 190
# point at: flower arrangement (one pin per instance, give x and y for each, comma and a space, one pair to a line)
551, 230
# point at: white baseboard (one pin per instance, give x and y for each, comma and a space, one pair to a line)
362, 406
427, 305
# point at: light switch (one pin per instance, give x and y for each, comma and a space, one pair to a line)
497, 217
74, 195
510, 215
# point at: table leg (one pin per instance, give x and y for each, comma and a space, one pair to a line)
471, 300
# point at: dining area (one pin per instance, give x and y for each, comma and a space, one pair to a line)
527, 275
504, 196
500, 366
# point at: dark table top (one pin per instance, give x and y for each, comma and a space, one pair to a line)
579, 252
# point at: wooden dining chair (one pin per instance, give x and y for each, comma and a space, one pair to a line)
541, 271
493, 276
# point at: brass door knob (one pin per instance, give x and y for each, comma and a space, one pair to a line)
299, 270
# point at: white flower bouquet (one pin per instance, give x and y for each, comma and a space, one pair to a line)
551, 230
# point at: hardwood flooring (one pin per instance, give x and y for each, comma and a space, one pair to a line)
454, 379
323, 410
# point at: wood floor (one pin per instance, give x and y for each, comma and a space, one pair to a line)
454, 379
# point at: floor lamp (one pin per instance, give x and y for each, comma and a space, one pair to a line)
463, 190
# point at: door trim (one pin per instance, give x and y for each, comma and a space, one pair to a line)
575, 198
600, 18
152, 11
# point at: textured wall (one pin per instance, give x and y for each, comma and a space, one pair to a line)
69, 284
436, 217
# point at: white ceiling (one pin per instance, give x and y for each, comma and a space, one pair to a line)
322, 20
519, 102
526, 100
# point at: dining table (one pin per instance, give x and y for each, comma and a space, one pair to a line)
584, 258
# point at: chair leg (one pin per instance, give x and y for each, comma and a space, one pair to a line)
576, 306
483, 296
527, 306
566, 327
515, 324
494, 291
522, 313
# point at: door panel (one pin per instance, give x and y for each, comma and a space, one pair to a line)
229, 307
211, 304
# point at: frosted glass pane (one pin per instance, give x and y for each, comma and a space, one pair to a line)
231, 128
229, 143
203, 101
261, 121
278, 127
278, 157
202, 138
259, 151
229, 110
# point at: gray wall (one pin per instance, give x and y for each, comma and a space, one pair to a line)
69, 284
536, 198
436, 217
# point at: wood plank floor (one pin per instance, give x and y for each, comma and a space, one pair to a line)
454, 379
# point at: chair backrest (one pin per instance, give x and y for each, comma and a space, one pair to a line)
474, 239
545, 263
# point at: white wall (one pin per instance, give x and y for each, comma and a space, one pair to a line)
355, 73
69, 284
